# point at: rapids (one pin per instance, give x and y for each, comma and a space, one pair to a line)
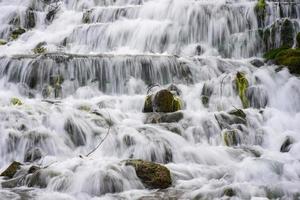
103, 54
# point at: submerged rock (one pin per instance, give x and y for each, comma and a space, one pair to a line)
11, 169
286, 146
39, 48
162, 101
229, 192
231, 138
33, 155
152, 175
242, 85
206, 93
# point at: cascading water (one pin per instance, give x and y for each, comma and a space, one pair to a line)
75, 73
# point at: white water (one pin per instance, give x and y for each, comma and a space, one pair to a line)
106, 65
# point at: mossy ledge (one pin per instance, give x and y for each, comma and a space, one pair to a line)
287, 57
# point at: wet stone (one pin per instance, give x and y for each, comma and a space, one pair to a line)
11, 170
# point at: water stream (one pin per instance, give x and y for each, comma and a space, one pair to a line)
104, 53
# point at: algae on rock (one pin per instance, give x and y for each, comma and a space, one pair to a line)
242, 85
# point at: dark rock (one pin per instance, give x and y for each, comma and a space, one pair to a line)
257, 62
231, 138
257, 96
229, 192
16, 33
30, 19
286, 146
174, 89
33, 155
287, 34
206, 93
152, 175
33, 169
239, 113
11, 170
298, 40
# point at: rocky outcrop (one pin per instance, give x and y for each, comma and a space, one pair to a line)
152, 175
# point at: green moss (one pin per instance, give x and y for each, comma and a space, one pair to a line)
16, 33
260, 10
286, 57
39, 48
11, 170
3, 42
152, 175
15, 101
177, 104
242, 86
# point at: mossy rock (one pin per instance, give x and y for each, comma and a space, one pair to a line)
15, 101
231, 138
152, 175
3, 42
162, 101
260, 11
16, 33
11, 169
287, 57
242, 85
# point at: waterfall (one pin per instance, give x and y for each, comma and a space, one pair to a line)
74, 76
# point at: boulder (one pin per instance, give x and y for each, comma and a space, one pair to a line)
3, 42
162, 101
152, 175
257, 63
11, 169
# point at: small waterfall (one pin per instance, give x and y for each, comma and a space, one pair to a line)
74, 76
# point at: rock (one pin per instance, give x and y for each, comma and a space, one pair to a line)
229, 192
154, 118
16, 33
30, 19
242, 86
287, 34
11, 170
152, 175
33, 169
257, 63
231, 138
286, 146
47, 91
3, 42
33, 155
238, 112
162, 101
15, 101
174, 89
206, 93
